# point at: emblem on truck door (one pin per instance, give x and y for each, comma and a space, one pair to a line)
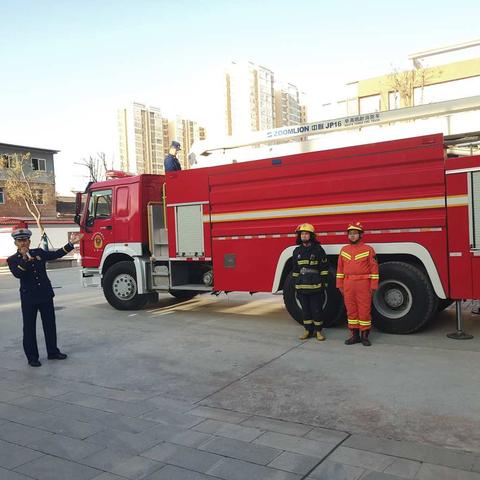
97, 241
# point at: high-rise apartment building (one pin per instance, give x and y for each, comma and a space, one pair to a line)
250, 98
288, 110
145, 137
254, 102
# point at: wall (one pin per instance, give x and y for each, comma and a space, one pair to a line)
57, 233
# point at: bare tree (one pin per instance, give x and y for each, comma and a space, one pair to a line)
26, 186
97, 166
404, 83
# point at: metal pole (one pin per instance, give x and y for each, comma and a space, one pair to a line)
459, 334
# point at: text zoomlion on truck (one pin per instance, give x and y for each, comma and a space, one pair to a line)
231, 227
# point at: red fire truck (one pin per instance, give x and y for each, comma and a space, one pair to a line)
231, 227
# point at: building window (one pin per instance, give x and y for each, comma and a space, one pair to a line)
39, 164
393, 100
440, 92
38, 196
8, 161
370, 104
2, 197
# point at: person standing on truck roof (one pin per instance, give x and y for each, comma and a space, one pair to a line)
310, 271
171, 162
357, 280
36, 293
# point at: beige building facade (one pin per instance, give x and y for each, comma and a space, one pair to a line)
143, 138
249, 98
145, 135
254, 101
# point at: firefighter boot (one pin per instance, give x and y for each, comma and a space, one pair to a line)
354, 338
306, 335
319, 336
365, 341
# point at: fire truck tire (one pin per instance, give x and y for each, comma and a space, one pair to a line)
405, 300
333, 312
183, 294
120, 287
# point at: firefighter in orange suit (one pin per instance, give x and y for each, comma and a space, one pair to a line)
310, 271
357, 279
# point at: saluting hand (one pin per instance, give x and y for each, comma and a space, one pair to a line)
75, 238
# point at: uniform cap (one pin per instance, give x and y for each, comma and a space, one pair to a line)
305, 227
21, 231
176, 145
355, 226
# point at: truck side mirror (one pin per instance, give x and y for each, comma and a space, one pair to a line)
78, 207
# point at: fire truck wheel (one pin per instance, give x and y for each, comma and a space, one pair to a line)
333, 312
405, 300
120, 287
183, 294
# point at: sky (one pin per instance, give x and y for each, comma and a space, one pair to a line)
67, 66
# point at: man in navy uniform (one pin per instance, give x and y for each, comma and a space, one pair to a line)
171, 162
36, 293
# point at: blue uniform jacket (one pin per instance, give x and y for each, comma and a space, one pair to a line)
35, 286
171, 163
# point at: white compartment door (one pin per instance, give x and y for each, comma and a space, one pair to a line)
190, 241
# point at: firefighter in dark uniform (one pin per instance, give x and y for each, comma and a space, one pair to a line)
310, 271
36, 293
171, 162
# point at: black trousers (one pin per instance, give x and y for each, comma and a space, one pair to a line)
47, 312
312, 310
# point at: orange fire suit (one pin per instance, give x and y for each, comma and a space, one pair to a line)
357, 275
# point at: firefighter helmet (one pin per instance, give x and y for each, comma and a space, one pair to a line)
355, 226
305, 227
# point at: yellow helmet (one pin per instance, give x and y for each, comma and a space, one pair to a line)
355, 226
305, 227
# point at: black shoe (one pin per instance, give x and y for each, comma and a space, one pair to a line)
355, 338
365, 341
34, 363
58, 356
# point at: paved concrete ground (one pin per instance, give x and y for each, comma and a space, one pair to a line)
221, 388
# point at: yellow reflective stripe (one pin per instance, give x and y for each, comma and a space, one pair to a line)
364, 323
346, 255
324, 272
65, 250
340, 275
301, 286
374, 275
21, 268
307, 322
362, 255
352, 321
303, 262
318, 324
314, 262
295, 274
